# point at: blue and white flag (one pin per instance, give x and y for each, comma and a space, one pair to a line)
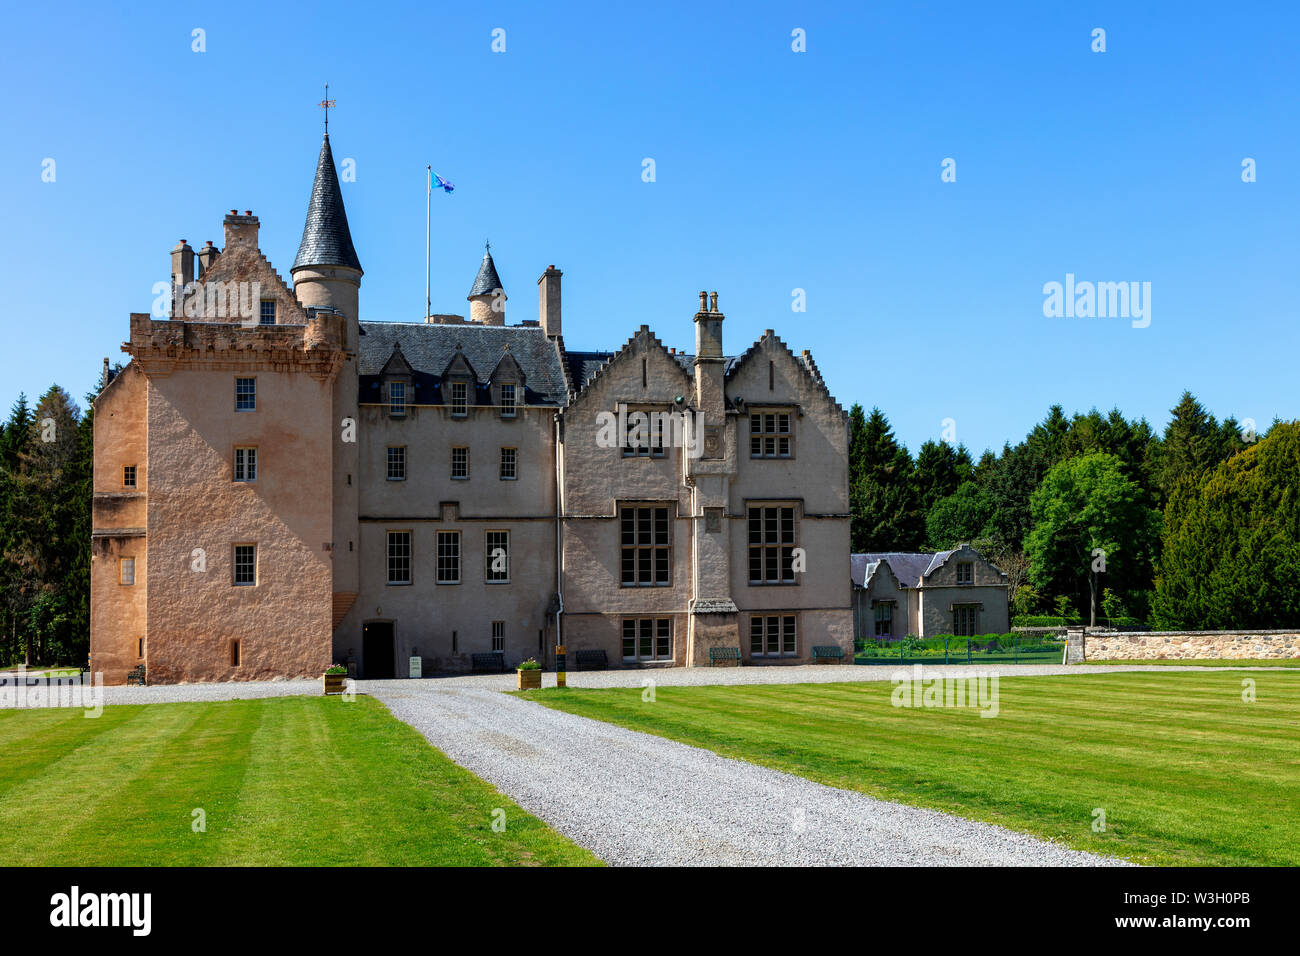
446, 186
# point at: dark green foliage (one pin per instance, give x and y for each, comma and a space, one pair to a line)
46, 461
882, 498
1231, 554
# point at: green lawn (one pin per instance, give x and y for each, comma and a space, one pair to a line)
1186, 771
293, 781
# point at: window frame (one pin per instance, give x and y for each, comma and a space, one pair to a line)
459, 406
488, 547
965, 616
122, 564
396, 403
509, 409
261, 317
653, 548
774, 436
651, 449
514, 464
235, 564
440, 557
132, 473
785, 637
250, 393
248, 464
965, 573
400, 460
464, 450
775, 554
390, 534
655, 631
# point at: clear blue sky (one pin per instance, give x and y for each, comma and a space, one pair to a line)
775, 170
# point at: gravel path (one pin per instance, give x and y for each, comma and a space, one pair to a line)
637, 799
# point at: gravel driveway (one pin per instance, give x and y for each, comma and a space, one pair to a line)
636, 799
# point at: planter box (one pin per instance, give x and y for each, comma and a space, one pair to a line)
334, 683
529, 680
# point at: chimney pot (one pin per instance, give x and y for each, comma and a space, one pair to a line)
704, 302
248, 212
713, 302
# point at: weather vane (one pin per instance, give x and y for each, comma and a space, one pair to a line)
325, 104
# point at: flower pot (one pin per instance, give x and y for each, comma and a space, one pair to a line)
334, 683
530, 679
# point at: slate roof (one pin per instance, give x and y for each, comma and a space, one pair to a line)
326, 239
487, 281
583, 366
910, 567
430, 348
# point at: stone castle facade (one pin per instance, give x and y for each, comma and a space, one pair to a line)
280, 486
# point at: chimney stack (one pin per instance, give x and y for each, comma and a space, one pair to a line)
182, 264
241, 230
207, 258
548, 301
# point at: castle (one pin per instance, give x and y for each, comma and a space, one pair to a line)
280, 486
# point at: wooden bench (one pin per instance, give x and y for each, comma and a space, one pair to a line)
491, 661
136, 675
726, 656
591, 660
827, 654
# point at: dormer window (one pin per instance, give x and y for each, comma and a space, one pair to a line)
396, 399
507, 399
459, 399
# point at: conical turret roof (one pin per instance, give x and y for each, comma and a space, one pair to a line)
326, 239
487, 281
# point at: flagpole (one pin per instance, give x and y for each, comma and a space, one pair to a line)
428, 199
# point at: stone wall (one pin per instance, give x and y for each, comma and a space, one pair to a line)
1192, 645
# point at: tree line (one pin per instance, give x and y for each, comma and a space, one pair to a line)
1099, 517
46, 488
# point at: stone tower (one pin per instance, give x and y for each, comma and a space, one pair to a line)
326, 272
487, 299
327, 275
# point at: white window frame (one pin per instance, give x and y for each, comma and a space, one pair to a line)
464, 450
453, 540
400, 460
502, 541
396, 399
509, 407
236, 564
514, 464
126, 571
396, 540
244, 467
249, 393
459, 399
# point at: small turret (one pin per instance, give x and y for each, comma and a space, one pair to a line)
487, 299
